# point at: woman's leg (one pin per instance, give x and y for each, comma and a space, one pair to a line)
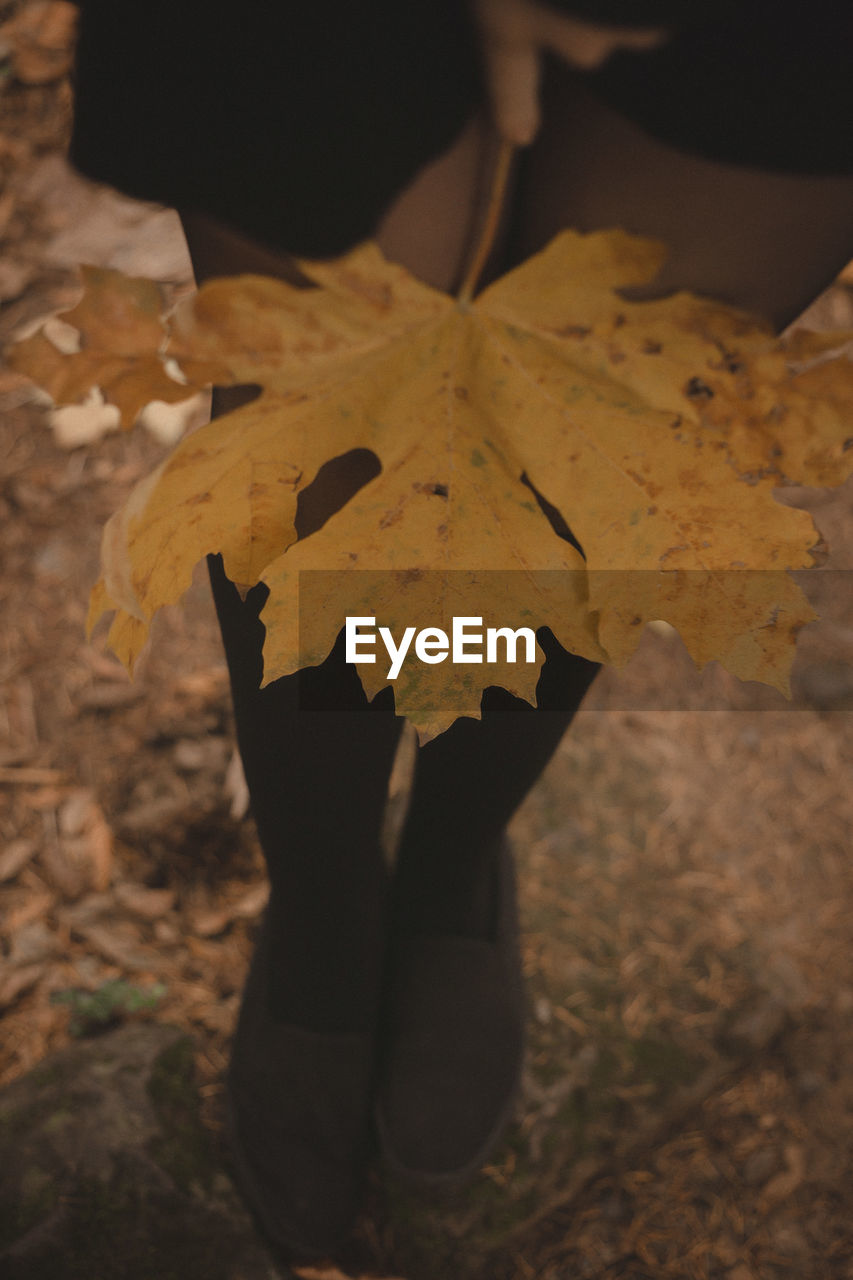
760, 241
468, 783
765, 242
317, 758
316, 754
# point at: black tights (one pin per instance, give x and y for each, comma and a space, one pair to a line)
317, 757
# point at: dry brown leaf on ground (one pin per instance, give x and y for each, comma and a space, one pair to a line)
120, 348
144, 903
86, 838
14, 857
41, 37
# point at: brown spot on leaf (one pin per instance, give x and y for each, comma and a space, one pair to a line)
574, 331
696, 389
439, 490
650, 486
689, 480
729, 361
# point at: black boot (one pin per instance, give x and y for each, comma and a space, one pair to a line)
453, 1024
317, 757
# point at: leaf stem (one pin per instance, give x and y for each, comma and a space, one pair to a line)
490, 225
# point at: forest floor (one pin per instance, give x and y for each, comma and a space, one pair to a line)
687, 889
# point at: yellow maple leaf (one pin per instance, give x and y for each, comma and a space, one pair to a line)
657, 429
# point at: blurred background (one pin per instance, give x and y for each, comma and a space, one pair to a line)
686, 877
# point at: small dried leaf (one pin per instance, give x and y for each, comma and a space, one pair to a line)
18, 982
207, 924
147, 904
35, 907
15, 857
252, 902
41, 36
121, 340
83, 860
783, 1185
119, 943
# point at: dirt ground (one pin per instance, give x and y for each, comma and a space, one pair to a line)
686, 875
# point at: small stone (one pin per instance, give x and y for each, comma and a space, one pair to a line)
761, 1166
189, 756
110, 1131
542, 1011
809, 1083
